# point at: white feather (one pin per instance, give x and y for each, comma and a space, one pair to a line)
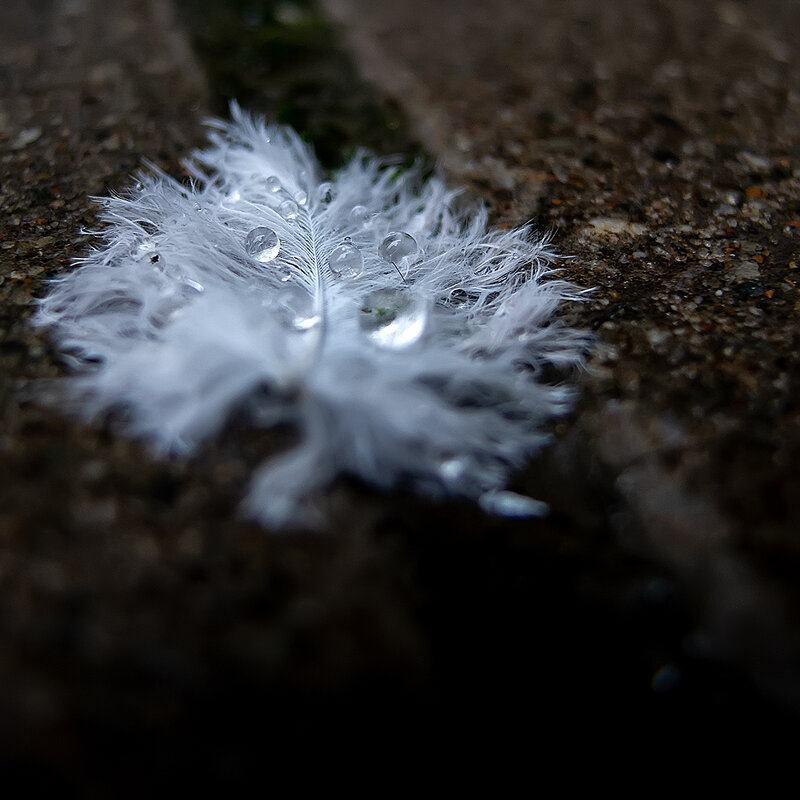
172, 319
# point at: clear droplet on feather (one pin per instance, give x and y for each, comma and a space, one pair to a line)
289, 210
325, 192
396, 246
262, 244
359, 215
273, 184
346, 261
296, 307
301, 197
451, 470
145, 248
393, 318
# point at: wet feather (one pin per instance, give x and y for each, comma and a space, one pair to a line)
369, 308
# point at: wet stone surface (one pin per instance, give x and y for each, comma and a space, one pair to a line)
142, 622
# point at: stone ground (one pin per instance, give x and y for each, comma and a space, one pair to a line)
142, 623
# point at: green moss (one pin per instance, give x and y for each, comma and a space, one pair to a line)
284, 59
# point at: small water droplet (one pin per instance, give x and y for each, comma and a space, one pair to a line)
359, 215
235, 196
296, 308
452, 470
262, 244
396, 246
273, 184
145, 248
503, 503
346, 261
393, 318
301, 197
289, 210
325, 192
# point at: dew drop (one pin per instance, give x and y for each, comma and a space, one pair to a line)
289, 210
396, 246
325, 192
273, 184
346, 261
359, 215
393, 318
301, 197
296, 308
452, 470
503, 503
262, 244
145, 248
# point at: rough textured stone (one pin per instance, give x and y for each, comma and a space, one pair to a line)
659, 142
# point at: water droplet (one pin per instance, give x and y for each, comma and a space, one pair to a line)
145, 248
289, 210
234, 197
325, 192
262, 244
346, 261
273, 184
296, 307
301, 197
393, 318
452, 470
503, 503
396, 246
359, 215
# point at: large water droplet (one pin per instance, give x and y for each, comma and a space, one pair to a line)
503, 503
273, 184
396, 246
296, 307
301, 197
346, 261
289, 210
393, 318
325, 192
262, 244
